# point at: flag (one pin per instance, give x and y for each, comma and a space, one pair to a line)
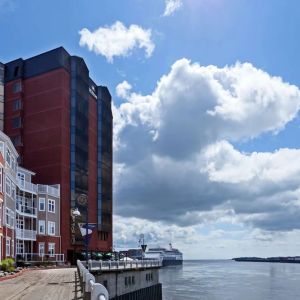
90, 227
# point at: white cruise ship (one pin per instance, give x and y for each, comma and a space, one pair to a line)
168, 257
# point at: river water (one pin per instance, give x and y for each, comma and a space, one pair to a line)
230, 280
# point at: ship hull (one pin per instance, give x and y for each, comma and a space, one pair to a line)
172, 262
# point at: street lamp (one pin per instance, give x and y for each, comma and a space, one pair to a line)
75, 213
83, 200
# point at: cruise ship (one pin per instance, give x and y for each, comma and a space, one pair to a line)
168, 257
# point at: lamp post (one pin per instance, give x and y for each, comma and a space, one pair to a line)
82, 200
74, 214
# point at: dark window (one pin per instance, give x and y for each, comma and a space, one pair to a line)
133, 280
16, 72
126, 283
16, 140
17, 87
16, 122
17, 104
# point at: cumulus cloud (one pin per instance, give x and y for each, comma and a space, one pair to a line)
175, 161
123, 89
171, 6
117, 40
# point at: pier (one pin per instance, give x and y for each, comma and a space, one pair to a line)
58, 284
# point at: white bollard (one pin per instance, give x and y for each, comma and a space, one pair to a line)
88, 278
99, 292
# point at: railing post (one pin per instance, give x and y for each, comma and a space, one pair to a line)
90, 264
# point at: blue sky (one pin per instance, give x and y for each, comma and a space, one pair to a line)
208, 32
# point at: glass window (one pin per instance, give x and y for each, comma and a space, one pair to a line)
51, 249
12, 219
51, 228
17, 87
17, 104
8, 157
21, 179
7, 216
51, 205
7, 246
16, 122
41, 249
8, 186
41, 204
16, 140
41, 227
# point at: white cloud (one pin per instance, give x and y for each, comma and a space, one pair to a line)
171, 6
117, 40
228, 165
123, 89
175, 162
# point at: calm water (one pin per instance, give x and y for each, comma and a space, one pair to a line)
230, 280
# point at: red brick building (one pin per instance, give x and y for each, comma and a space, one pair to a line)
60, 122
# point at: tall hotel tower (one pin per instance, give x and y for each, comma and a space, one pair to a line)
60, 122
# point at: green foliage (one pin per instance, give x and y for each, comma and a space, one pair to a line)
7, 265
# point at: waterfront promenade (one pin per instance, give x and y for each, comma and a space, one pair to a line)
42, 285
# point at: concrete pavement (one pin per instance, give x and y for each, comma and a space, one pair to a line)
48, 284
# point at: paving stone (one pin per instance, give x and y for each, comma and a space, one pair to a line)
60, 284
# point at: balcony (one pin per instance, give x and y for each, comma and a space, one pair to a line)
25, 234
50, 190
27, 186
25, 210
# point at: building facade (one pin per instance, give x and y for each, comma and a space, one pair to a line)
48, 233
20, 214
8, 187
60, 122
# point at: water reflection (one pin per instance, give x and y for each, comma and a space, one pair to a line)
213, 280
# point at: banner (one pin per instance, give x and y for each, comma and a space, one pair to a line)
82, 227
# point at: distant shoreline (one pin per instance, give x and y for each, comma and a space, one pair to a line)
278, 259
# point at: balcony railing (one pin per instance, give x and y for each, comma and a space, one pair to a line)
28, 186
25, 234
50, 190
34, 257
25, 210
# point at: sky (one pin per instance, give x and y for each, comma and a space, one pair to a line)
206, 106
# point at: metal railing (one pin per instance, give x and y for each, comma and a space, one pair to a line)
28, 186
95, 265
50, 190
40, 257
25, 234
89, 287
25, 209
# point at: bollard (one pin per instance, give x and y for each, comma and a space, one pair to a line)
99, 292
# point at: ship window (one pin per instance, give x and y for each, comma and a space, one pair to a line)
126, 283
133, 280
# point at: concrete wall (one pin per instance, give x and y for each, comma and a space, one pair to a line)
115, 281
